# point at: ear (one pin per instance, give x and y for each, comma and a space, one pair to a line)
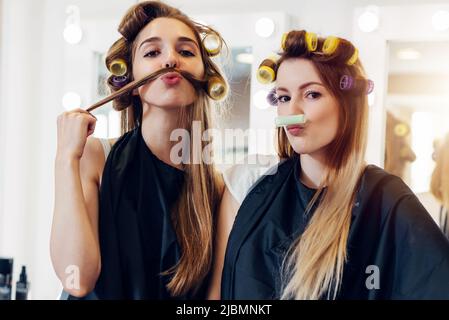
135, 92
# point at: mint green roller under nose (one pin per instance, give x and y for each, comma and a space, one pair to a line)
289, 120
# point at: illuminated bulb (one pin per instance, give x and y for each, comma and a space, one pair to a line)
260, 99
264, 27
71, 100
440, 20
73, 34
368, 21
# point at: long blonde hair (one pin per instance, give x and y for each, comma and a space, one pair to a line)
313, 268
193, 215
439, 185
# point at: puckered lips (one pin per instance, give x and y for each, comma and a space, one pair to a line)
295, 129
171, 78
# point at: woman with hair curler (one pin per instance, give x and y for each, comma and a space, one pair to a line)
323, 224
133, 221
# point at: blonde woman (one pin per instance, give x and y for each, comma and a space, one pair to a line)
131, 222
322, 224
439, 185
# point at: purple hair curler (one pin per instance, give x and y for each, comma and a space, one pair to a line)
346, 82
370, 86
119, 81
272, 99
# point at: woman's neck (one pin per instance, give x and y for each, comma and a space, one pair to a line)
157, 126
313, 167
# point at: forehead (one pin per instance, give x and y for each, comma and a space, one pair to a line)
165, 28
296, 71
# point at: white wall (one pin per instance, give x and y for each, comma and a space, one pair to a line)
31, 78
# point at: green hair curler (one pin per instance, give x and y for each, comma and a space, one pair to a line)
289, 120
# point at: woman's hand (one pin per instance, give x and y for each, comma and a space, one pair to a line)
74, 127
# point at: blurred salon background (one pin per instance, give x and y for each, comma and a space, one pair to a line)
52, 60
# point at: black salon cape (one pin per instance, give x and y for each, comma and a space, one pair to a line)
137, 239
390, 229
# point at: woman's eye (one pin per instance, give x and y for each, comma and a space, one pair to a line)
152, 53
313, 94
283, 99
187, 53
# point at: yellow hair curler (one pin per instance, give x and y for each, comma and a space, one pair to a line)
217, 89
212, 43
330, 45
266, 72
401, 130
118, 67
353, 58
312, 41
284, 40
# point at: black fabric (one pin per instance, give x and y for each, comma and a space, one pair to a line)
137, 239
390, 229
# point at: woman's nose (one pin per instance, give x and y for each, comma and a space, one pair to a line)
171, 60
295, 106
170, 64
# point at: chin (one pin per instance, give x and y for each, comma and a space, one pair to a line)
299, 145
170, 102
300, 150
176, 103
168, 105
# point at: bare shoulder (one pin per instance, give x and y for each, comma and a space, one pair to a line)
229, 207
240, 177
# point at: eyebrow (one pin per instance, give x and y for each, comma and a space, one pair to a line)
157, 39
305, 85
